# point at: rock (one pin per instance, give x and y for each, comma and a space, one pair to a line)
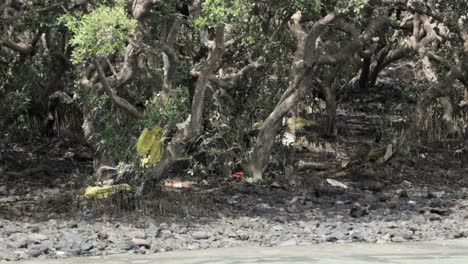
69, 155
406, 184
402, 193
336, 235
142, 250
360, 235
413, 205
165, 234
101, 246
141, 242
200, 235
279, 219
102, 235
20, 255
131, 246
391, 218
288, 243
436, 203
106, 173
309, 229
275, 184
371, 185
293, 209
73, 225
358, 211
371, 200
62, 254
398, 239
6, 254
393, 203
384, 197
278, 228
34, 253
11, 229
34, 229
85, 247
384, 239
242, 235
183, 230
174, 228
140, 235
22, 243
462, 234
435, 217
431, 195
420, 220
3, 190
37, 238
439, 211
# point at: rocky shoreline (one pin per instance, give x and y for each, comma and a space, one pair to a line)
379, 219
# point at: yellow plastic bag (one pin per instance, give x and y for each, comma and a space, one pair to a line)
102, 192
149, 145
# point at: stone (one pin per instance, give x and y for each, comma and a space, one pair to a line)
436, 203
279, 219
413, 205
165, 234
360, 235
398, 239
62, 254
358, 211
22, 243
384, 197
403, 193
102, 235
131, 246
198, 235
11, 229
439, 211
183, 230
37, 238
406, 184
336, 235
141, 242
371, 185
20, 255
435, 217
3, 190
34, 253
384, 239
141, 235
85, 247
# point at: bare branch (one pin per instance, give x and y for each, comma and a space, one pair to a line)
119, 101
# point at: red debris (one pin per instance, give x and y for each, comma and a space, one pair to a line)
238, 175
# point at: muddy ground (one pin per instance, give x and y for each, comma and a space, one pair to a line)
420, 193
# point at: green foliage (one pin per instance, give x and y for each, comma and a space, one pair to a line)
355, 5
216, 11
173, 111
102, 32
14, 114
